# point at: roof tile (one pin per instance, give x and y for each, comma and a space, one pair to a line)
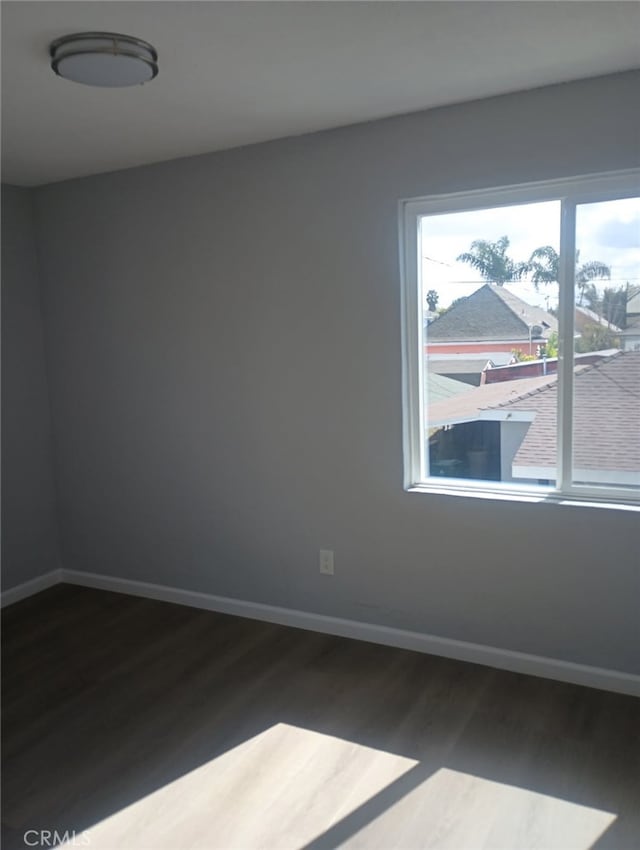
490, 313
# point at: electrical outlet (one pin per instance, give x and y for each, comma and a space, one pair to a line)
326, 562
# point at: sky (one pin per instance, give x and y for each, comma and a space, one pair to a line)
607, 231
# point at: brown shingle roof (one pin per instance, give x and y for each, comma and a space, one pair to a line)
490, 313
467, 407
606, 417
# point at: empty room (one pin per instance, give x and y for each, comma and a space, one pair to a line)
321, 425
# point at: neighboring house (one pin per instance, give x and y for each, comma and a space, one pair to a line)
630, 336
440, 387
490, 319
469, 368
606, 432
468, 439
507, 431
586, 317
545, 366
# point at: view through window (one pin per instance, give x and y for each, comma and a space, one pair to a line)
494, 341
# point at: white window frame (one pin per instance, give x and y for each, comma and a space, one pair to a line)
570, 192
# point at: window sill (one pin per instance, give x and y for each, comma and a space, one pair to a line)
540, 496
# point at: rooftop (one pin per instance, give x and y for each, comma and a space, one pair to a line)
491, 313
606, 417
593, 317
468, 407
465, 364
440, 387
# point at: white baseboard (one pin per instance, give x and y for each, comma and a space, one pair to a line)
28, 588
502, 659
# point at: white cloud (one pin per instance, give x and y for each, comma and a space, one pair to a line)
606, 231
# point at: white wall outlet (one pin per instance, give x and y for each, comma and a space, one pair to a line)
326, 562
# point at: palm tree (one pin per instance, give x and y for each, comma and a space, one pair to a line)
491, 260
587, 272
544, 264
432, 300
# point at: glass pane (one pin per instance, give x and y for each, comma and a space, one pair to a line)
606, 419
489, 289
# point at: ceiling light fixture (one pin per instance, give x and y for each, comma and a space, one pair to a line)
104, 59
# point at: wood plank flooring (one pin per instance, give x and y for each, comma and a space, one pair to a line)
140, 724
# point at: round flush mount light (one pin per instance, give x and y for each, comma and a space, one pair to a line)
104, 59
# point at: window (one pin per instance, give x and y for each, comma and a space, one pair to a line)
521, 334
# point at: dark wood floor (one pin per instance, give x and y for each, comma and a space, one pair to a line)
151, 725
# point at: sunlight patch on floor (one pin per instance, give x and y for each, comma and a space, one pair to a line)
278, 789
455, 810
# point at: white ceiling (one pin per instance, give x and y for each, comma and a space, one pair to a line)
233, 73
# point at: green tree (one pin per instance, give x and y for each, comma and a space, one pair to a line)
551, 348
587, 272
544, 267
492, 261
596, 338
611, 304
592, 299
614, 305
432, 300
521, 357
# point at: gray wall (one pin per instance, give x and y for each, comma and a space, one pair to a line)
511, 436
224, 343
29, 534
